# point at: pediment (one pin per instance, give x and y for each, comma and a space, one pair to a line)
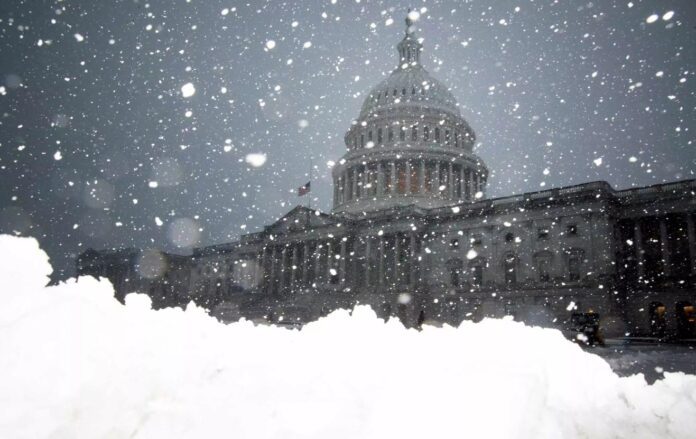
300, 219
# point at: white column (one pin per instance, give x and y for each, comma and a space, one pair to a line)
381, 261
380, 179
408, 177
467, 193
272, 277
354, 170
264, 269
345, 186
638, 244
393, 177
450, 180
283, 267
664, 247
691, 230
328, 261
461, 183
436, 177
293, 273
342, 263
259, 271
305, 263
368, 250
317, 262
421, 177
412, 256
397, 250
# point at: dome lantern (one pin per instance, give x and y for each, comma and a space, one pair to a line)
409, 48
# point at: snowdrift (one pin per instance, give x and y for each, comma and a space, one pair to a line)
76, 363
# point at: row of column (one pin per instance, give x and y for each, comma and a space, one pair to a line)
358, 263
427, 134
408, 177
665, 252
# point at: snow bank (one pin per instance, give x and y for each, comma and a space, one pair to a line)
75, 363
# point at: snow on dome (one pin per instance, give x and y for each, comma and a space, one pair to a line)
76, 363
409, 84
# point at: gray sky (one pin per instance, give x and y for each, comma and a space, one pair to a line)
549, 87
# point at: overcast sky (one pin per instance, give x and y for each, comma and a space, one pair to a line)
99, 148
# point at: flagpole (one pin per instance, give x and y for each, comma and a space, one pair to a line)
309, 198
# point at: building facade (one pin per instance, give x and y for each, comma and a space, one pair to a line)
412, 234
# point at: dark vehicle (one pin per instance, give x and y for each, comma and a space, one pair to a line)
586, 325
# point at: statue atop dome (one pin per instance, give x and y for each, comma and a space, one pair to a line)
409, 48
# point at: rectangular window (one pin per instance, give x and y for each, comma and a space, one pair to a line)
542, 233
426, 134
414, 133
476, 240
391, 134
572, 230
437, 134
477, 275
402, 133
379, 136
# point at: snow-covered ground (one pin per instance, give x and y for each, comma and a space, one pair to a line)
75, 363
650, 359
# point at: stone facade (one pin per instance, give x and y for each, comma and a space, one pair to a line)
413, 235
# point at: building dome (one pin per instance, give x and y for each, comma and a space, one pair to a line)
410, 146
409, 85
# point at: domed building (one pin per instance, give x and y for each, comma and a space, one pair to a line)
409, 145
412, 234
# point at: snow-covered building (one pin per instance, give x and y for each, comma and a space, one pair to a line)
413, 235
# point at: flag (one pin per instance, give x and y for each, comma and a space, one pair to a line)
304, 189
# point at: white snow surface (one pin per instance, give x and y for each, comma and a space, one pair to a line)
76, 363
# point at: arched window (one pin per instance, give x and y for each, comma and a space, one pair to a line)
456, 139
437, 134
369, 136
390, 134
413, 90
426, 133
414, 133
476, 267
379, 136
403, 92
402, 133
